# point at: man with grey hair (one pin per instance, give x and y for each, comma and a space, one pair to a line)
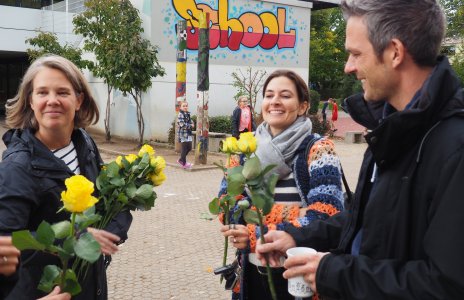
401, 237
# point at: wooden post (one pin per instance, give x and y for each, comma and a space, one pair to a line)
181, 71
201, 149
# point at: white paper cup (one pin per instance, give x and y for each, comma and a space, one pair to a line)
297, 286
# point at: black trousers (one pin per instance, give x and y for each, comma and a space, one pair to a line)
185, 149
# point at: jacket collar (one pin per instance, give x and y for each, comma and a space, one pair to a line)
41, 158
441, 97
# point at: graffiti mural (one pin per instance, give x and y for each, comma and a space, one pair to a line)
267, 29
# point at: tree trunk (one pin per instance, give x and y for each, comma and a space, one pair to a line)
107, 114
140, 124
181, 71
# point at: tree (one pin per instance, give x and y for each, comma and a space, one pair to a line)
105, 24
248, 84
327, 55
47, 43
138, 65
454, 11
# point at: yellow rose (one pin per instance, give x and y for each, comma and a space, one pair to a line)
247, 143
157, 179
119, 161
78, 195
147, 149
131, 158
158, 163
229, 145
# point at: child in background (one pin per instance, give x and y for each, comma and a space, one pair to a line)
334, 114
185, 125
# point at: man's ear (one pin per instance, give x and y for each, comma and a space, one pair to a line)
397, 52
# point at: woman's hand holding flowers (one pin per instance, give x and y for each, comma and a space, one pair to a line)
106, 239
238, 235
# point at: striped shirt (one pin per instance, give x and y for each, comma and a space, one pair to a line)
68, 155
286, 191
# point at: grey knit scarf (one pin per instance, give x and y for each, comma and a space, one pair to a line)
280, 149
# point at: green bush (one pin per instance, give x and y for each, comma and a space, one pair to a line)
314, 97
220, 124
318, 126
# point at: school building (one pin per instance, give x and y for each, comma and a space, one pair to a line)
263, 34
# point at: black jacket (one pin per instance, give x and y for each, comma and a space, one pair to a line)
412, 216
236, 121
31, 180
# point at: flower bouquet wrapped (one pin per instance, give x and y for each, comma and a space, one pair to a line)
251, 178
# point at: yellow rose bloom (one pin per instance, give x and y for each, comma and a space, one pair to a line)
147, 149
247, 143
119, 161
131, 158
78, 195
158, 163
158, 179
229, 145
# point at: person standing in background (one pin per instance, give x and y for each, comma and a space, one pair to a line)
324, 113
185, 124
334, 117
242, 118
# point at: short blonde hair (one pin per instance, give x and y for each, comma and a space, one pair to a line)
19, 113
242, 99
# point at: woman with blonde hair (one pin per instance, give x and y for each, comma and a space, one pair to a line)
45, 145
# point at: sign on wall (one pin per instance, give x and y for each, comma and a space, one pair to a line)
242, 32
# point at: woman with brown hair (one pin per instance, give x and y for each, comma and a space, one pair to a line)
309, 185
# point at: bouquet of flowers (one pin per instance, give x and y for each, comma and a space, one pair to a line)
252, 178
127, 183
124, 184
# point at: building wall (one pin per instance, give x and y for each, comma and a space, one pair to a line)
265, 35
283, 42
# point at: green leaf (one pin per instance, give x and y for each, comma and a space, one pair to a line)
49, 278
71, 285
69, 243
117, 181
61, 229
268, 205
112, 169
87, 218
258, 200
123, 198
87, 248
45, 234
214, 206
235, 170
251, 216
235, 184
252, 168
130, 190
23, 240
271, 183
145, 191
